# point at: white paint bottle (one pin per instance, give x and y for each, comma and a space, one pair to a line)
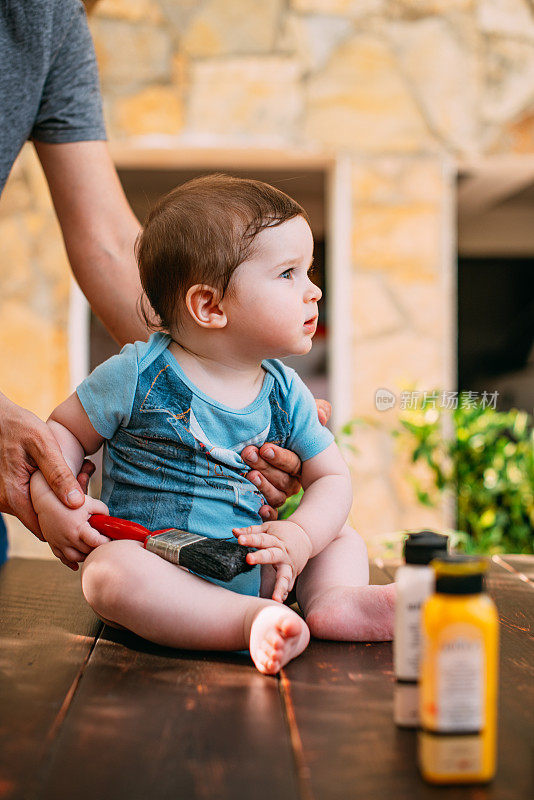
415, 583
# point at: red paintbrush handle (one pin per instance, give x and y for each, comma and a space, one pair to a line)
117, 528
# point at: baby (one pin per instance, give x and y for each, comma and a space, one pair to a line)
225, 264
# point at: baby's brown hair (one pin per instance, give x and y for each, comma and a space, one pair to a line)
199, 233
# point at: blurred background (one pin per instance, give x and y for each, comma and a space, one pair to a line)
406, 129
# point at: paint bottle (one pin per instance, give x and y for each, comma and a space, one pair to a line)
414, 583
457, 740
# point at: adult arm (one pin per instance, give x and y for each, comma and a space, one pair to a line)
99, 229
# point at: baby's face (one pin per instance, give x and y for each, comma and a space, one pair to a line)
272, 306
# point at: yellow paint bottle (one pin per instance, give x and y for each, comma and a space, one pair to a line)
458, 684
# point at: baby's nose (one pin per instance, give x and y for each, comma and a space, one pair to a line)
313, 293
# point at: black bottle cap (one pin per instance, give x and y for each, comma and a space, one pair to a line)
459, 574
422, 547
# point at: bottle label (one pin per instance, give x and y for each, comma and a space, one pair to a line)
451, 755
412, 632
460, 681
412, 593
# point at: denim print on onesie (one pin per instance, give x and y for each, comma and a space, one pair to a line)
172, 454
166, 472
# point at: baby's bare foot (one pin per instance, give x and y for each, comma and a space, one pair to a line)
354, 614
277, 635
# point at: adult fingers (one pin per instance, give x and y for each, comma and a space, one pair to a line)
27, 515
268, 513
324, 411
274, 496
277, 466
270, 455
84, 476
26, 441
283, 460
15, 488
47, 455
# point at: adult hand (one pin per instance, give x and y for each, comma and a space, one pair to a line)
324, 411
85, 474
27, 444
275, 471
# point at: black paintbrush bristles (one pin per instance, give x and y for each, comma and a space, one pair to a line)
222, 559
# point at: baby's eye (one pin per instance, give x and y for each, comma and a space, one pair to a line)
286, 273
312, 270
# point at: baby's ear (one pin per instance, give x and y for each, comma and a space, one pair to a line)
203, 303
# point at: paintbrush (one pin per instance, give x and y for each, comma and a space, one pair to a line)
222, 559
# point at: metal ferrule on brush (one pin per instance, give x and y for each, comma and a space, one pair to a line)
169, 544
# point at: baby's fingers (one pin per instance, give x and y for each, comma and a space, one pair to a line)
91, 537
248, 530
73, 554
258, 539
69, 556
270, 555
284, 582
58, 554
95, 506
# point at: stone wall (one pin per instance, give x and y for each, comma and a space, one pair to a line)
34, 293
403, 88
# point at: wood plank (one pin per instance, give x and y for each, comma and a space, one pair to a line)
46, 634
515, 602
339, 692
524, 565
342, 695
149, 721
162, 723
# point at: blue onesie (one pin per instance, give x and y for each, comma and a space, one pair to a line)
172, 455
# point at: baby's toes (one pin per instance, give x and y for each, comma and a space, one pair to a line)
269, 658
262, 660
274, 640
289, 626
277, 635
274, 666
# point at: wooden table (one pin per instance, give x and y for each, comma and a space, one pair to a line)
90, 712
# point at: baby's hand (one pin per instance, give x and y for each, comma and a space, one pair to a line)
282, 543
67, 530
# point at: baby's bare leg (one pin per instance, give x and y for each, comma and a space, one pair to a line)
334, 594
137, 589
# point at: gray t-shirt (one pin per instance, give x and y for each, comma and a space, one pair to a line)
49, 87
